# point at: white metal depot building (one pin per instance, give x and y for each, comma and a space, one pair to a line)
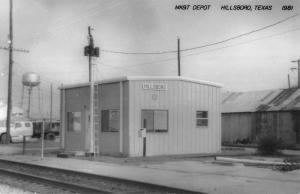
181, 116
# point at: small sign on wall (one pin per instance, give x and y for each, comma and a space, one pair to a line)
142, 132
155, 86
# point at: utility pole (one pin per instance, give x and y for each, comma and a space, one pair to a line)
178, 56
10, 69
91, 51
294, 68
9, 99
91, 44
289, 81
51, 101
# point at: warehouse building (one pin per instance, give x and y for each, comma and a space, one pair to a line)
180, 115
246, 116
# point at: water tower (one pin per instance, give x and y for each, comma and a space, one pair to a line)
30, 80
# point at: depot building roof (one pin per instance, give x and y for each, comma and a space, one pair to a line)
144, 78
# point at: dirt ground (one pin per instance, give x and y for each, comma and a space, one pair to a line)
52, 149
198, 171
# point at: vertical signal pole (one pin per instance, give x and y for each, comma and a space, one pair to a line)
91, 44
91, 51
51, 104
9, 99
91, 79
178, 56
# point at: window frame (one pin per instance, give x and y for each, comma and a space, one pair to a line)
202, 118
155, 130
18, 125
109, 131
68, 122
27, 124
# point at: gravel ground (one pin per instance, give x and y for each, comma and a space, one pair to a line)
13, 185
6, 189
102, 183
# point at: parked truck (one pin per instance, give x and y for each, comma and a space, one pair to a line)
51, 129
18, 129
30, 128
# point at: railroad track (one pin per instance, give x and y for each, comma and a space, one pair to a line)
79, 182
52, 182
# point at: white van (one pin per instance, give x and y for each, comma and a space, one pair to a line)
18, 129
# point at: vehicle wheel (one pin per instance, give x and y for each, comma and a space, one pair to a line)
50, 136
3, 138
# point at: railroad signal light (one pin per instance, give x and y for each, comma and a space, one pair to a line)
96, 52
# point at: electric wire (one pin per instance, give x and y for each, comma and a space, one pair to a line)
83, 15
173, 59
243, 43
202, 46
126, 69
215, 49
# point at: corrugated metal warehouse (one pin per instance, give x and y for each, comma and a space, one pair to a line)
181, 116
249, 115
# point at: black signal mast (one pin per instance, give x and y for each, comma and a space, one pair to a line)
91, 51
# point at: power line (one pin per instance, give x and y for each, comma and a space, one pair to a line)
44, 78
202, 46
15, 49
244, 34
174, 58
43, 85
211, 50
83, 15
127, 69
242, 43
118, 67
138, 53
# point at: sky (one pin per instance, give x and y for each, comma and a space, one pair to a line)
55, 33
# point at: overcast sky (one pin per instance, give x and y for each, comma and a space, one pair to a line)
55, 32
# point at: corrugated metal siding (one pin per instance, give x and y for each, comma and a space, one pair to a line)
238, 126
182, 100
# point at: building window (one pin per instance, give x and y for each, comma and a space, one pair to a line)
74, 121
110, 120
201, 118
18, 125
155, 120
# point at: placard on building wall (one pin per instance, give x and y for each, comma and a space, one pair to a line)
155, 86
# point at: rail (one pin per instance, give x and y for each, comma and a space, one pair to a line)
111, 184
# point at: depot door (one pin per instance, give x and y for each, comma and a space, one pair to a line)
76, 130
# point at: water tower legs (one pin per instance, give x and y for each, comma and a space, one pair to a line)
29, 98
39, 96
22, 97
